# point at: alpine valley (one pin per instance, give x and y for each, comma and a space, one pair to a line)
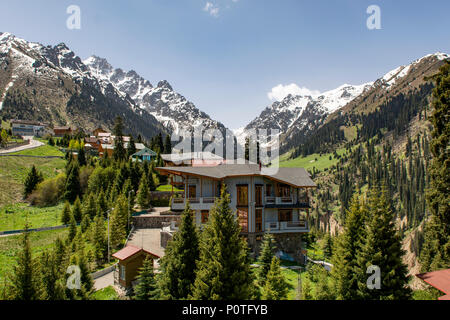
350, 138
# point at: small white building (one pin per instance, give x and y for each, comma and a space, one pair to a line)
28, 128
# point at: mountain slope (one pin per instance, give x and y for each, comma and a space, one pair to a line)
171, 109
402, 80
52, 84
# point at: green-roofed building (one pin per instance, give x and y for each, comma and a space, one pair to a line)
145, 154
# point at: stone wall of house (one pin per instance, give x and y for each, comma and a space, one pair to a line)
165, 237
165, 195
290, 243
154, 222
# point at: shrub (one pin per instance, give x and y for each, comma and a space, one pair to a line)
48, 192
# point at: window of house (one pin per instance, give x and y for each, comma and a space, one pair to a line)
258, 220
258, 195
268, 190
284, 215
243, 219
242, 196
122, 272
284, 190
192, 191
205, 216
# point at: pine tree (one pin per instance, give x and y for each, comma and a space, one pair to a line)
118, 223
131, 148
99, 239
72, 228
179, 263
77, 212
265, 258
436, 247
348, 246
102, 204
85, 275
24, 279
81, 157
119, 153
168, 145
322, 289
224, 267
73, 187
85, 222
146, 289
159, 143
90, 206
32, 180
52, 282
327, 246
65, 217
306, 293
151, 181
382, 247
275, 287
143, 197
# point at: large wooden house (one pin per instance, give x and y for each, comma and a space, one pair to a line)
276, 203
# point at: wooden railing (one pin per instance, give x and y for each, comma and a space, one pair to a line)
270, 199
209, 200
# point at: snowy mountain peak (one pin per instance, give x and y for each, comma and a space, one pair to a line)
390, 78
171, 109
165, 85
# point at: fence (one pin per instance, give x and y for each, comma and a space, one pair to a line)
11, 232
29, 156
101, 273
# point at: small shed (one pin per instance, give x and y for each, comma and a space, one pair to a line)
131, 259
145, 154
438, 279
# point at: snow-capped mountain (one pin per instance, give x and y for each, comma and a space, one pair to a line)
297, 116
171, 109
302, 111
66, 82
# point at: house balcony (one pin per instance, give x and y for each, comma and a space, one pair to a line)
286, 203
287, 226
204, 203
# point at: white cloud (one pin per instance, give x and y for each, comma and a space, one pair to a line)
280, 92
212, 9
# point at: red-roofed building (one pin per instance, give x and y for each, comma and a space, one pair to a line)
439, 280
131, 259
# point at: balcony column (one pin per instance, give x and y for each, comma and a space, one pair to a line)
201, 189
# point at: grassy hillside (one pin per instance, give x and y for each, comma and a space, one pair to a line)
320, 162
15, 216
10, 246
13, 171
44, 150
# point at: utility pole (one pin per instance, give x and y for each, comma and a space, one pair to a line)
129, 207
108, 233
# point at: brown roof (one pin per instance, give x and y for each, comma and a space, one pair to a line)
91, 140
297, 177
61, 128
438, 279
130, 251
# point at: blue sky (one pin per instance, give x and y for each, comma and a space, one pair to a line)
227, 56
